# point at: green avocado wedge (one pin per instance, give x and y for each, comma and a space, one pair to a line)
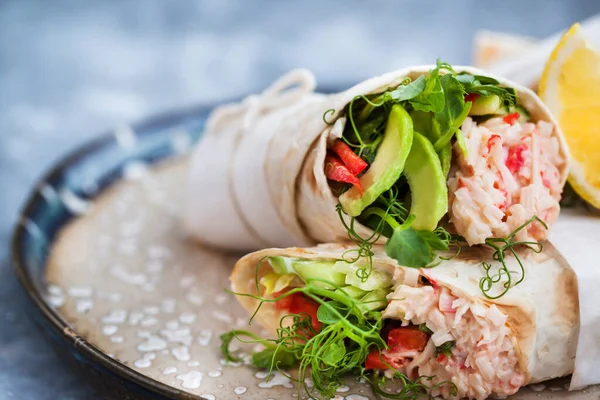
307, 269
446, 159
484, 105
388, 164
429, 194
428, 126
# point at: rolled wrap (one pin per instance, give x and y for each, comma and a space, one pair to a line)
232, 202
257, 175
542, 311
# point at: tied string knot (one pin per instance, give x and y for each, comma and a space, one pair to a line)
285, 91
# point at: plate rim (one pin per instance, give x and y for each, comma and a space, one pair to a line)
51, 315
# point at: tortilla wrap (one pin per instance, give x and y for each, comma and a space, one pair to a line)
542, 311
229, 204
257, 177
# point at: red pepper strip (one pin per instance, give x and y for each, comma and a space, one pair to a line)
297, 303
399, 340
336, 171
304, 305
285, 302
351, 160
511, 118
376, 361
472, 97
407, 338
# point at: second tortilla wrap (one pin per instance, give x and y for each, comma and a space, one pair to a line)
542, 311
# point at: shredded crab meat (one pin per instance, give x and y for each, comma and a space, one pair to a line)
509, 174
483, 360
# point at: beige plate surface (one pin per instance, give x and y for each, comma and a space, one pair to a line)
124, 276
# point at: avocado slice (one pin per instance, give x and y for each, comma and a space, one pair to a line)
376, 279
429, 194
281, 265
352, 291
308, 269
446, 159
387, 166
485, 105
462, 143
428, 126
524, 115
374, 300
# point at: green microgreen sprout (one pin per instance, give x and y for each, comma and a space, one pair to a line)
341, 346
331, 111
445, 348
501, 246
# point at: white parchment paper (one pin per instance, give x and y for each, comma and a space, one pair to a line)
576, 235
525, 68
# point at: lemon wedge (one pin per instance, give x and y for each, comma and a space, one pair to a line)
570, 86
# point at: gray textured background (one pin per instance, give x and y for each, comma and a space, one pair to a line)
71, 69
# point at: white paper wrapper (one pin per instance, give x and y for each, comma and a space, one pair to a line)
491, 47
576, 235
524, 63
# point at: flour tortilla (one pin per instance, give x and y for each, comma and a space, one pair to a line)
257, 175
543, 311
229, 203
